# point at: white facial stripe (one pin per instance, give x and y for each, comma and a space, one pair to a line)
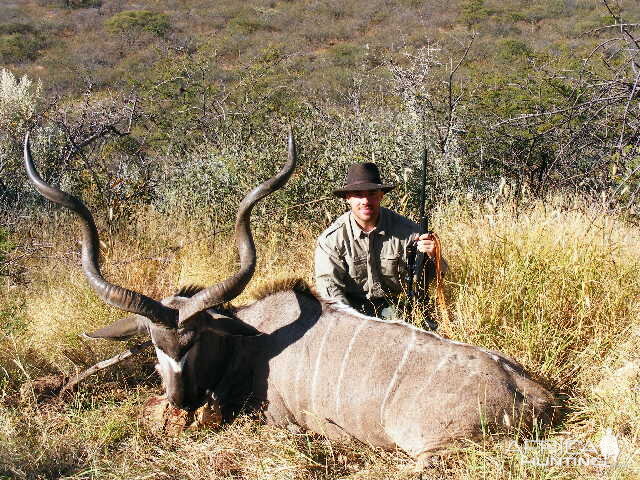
166, 362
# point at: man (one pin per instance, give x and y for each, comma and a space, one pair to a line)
361, 259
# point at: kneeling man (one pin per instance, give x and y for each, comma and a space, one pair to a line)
361, 259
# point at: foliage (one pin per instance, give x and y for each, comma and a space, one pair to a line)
510, 49
6, 246
20, 43
248, 21
136, 21
180, 113
19, 100
83, 3
345, 55
473, 12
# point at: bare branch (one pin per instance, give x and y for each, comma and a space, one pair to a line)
614, 25
626, 110
631, 40
557, 111
453, 103
73, 381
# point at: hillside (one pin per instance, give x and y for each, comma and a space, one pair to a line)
73, 43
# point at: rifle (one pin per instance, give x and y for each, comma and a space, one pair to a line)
412, 249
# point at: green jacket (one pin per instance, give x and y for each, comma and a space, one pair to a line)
359, 268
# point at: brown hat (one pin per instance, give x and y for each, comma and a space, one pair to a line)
362, 176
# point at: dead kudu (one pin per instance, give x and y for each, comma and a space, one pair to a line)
305, 360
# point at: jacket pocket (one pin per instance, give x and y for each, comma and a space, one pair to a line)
392, 271
358, 271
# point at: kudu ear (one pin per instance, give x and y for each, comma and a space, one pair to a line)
122, 329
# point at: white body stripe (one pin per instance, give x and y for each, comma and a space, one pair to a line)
396, 374
343, 308
343, 367
316, 368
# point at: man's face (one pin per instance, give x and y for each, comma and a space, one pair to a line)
365, 205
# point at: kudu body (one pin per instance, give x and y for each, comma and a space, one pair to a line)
308, 361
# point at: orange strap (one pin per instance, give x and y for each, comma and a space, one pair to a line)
440, 300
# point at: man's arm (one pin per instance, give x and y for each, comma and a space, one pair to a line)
330, 273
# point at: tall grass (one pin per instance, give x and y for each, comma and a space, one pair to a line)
549, 286
556, 288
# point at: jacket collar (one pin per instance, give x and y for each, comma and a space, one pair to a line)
381, 227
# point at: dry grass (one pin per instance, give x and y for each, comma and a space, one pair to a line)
557, 289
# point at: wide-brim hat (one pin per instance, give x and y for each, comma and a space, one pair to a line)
362, 176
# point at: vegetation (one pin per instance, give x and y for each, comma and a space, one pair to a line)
19, 42
555, 288
133, 22
541, 95
528, 110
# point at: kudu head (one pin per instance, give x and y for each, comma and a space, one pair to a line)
190, 339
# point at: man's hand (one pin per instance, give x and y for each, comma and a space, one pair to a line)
426, 244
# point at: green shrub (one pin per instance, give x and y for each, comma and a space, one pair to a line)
553, 9
249, 21
71, 4
345, 55
473, 12
11, 28
511, 48
135, 21
19, 43
83, 3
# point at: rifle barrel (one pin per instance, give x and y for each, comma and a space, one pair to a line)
424, 219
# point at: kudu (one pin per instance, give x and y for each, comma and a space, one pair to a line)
309, 361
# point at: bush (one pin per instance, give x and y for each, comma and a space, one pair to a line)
473, 12
83, 3
249, 21
19, 43
136, 21
346, 55
19, 100
11, 28
511, 48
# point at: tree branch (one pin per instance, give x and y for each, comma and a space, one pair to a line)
73, 381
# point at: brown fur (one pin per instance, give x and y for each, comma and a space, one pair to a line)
188, 291
296, 284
